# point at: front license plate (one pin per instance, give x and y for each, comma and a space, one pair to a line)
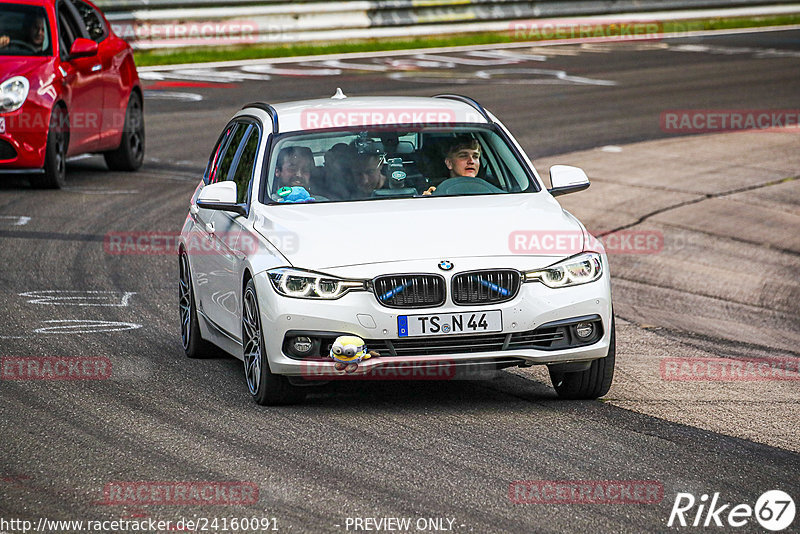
450, 323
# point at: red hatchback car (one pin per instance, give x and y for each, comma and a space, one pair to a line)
68, 86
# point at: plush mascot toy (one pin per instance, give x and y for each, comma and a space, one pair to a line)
294, 194
348, 351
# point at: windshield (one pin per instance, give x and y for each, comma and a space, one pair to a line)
356, 165
24, 31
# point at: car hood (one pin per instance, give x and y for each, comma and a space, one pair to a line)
28, 66
338, 234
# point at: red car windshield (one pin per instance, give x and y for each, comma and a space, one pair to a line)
24, 31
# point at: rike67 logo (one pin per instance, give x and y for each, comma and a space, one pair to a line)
774, 510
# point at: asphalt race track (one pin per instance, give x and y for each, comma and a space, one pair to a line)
723, 284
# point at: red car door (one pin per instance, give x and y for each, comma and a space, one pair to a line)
82, 80
113, 53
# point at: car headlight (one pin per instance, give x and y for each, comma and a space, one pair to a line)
307, 285
13, 93
574, 271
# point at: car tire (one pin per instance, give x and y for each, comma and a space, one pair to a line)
129, 155
55, 159
194, 346
266, 387
592, 383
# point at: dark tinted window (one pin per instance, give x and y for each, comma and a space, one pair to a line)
227, 158
68, 30
92, 21
247, 162
210, 176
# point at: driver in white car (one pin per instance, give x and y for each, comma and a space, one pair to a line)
463, 158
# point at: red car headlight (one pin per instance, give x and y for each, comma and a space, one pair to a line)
13, 93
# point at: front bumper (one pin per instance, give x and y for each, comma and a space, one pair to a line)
23, 138
360, 314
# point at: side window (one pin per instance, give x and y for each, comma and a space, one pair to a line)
210, 176
226, 160
243, 173
93, 22
68, 29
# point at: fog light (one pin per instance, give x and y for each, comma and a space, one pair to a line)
584, 330
302, 345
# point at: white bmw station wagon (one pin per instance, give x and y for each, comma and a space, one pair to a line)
407, 237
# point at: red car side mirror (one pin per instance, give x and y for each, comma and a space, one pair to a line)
83, 48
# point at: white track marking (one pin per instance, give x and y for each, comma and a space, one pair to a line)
205, 75
18, 220
172, 95
414, 64
485, 62
338, 64
544, 47
558, 75
80, 157
566, 50
270, 69
84, 326
427, 61
57, 297
522, 76
518, 56
611, 148
760, 53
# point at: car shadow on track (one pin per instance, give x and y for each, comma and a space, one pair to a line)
408, 393
84, 171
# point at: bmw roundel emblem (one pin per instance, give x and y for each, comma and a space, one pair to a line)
445, 265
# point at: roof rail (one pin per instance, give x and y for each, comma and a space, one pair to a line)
269, 109
469, 101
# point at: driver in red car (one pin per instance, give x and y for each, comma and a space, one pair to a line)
35, 34
463, 158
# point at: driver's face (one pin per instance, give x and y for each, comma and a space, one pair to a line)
37, 32
295, 172
464, 162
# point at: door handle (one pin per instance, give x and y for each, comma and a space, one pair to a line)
210, 227
97, 68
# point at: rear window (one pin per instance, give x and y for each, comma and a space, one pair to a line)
91, 19
24, 31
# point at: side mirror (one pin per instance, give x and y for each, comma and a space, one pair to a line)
220, 196
567, 179
83, 48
